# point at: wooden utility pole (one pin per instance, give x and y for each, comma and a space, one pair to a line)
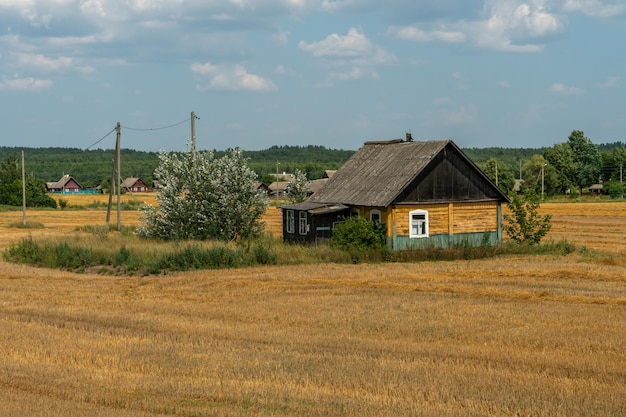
111, 190
542, 178
119, 175
23, 191
193, 134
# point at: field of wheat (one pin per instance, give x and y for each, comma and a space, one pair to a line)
539, 336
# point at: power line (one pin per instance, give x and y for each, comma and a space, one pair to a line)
100, 140
157, 128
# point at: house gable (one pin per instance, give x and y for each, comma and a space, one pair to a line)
449, 177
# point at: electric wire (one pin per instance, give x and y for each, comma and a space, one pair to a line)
100, 140
157, 128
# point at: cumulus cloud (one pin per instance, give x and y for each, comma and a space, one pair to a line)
234, 78
506, 25
354, 54
463, 115
560, 88
595, 8
26, 84
610, 83
43, 63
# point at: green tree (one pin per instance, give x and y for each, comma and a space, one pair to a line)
532, 173
561, 157
203, 197
587, 160
525, 224
11, 186
613, 164
500, 173
298, 187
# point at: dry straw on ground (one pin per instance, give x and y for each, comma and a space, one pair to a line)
539, 336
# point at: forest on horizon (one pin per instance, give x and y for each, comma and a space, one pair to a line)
91, 167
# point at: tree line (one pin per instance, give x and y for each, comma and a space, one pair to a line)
570, 166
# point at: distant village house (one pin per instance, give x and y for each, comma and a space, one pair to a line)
66, 185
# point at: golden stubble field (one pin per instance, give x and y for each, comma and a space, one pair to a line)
541, 336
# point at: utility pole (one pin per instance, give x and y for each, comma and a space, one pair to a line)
23, 191
496, 174
193, 134
276, 179
119, 175
111, 190
542, 177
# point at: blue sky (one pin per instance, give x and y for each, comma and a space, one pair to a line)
336, 73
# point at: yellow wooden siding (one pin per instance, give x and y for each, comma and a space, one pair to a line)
461, 217
475, 217
437, 219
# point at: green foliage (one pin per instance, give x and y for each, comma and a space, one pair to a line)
587, 160
58, 255
11, 192
298, 188
532, 175
525, 224
615, 189
202, 197
560, 158
357, 233
500, 173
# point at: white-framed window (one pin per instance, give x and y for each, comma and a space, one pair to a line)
290, 221
302, 225
418, 220
375, 216
355, 212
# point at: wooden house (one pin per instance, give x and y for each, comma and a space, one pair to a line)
135, 185
66, 185
309, 222
426, 193
278, 189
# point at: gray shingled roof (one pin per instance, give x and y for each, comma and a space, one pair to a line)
376, 174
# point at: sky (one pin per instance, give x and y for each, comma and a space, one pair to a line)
334, 73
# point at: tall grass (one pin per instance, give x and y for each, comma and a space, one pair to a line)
101, 248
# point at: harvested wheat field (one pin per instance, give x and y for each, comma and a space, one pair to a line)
539, 336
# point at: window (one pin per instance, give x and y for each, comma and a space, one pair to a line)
419, 223
302, 226
290, 221
375, 216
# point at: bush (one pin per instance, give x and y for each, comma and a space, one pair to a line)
525, 224
359, 236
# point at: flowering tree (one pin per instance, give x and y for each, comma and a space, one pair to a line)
203, 197
298, 187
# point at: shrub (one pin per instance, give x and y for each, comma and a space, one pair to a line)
359, 236
525, 224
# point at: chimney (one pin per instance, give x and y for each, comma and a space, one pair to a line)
409, 138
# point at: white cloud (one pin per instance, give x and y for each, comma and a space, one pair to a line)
235, 78
610, 83
280, 38
26, 84
42, 63
507, 26
560, 88
595, 8
354, 54
412, 33
504, 84
463, 115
